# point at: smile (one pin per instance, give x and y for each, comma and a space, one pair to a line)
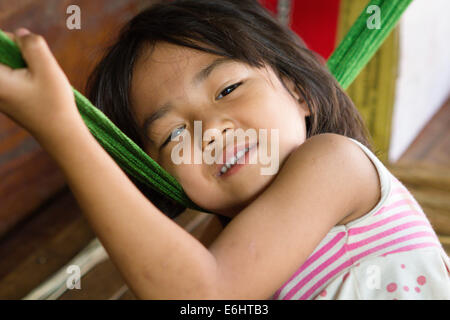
232, 164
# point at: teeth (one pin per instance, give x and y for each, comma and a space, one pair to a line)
234, 160
239, 154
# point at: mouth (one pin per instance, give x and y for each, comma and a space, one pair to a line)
230, 163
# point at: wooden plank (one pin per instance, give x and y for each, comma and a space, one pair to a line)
432, 144
39, 246
424, 169
422, 175
82, 263
28, 176
105, 281
445, 241
128, 295
430, 186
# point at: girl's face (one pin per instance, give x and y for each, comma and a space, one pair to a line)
229, 95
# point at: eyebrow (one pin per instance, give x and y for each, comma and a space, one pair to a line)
166, 108
158, 114
206, 72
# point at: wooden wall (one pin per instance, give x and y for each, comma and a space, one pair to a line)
28, 176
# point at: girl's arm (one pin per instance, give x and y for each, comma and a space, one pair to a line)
251, 258
157, 258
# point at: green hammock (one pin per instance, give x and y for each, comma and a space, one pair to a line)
349, 58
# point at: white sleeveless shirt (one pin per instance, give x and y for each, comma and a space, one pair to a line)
391, 252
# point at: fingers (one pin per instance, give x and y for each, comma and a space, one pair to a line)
8, 76
10, 35
36, 52
5, 72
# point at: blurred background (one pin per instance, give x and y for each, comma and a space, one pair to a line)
403, 95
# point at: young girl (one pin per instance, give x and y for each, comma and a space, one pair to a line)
332, 223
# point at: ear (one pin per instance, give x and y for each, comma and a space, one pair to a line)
290, 85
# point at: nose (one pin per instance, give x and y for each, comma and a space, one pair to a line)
216, 130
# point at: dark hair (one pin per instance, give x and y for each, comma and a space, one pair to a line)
240, 29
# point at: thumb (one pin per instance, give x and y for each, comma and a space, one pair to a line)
35, 52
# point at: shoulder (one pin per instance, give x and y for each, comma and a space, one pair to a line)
328, 150
327, 167
329, 144
337, 154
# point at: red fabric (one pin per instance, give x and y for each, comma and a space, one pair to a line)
270, 4
315, 21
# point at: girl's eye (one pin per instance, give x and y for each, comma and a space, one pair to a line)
172, 135
228, 90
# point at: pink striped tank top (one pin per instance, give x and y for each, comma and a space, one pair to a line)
391, 252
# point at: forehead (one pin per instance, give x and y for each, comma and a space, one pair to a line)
167, 62
166, 56
160, 70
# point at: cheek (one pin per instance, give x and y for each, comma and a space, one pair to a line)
282, 113
188, 176
273, 111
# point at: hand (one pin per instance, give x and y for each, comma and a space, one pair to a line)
35, 97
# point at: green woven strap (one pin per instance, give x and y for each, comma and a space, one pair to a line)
348, 60
360, 43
